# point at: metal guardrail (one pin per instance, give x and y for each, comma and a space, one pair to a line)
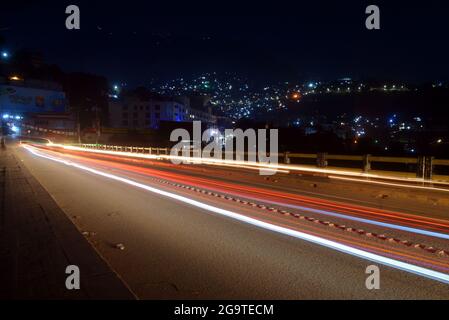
424, 165
441, 162
149, 150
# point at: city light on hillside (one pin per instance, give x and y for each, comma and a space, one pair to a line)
296, 96
15, 78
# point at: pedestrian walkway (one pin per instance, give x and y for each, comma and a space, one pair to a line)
38, 242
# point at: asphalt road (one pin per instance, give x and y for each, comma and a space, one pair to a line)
175, 250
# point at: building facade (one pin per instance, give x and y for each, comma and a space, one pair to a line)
135, 112
33, 107
19, 97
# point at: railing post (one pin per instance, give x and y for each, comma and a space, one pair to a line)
321, 161
366, 163
420, 167
428, 168
286, 157
424, 168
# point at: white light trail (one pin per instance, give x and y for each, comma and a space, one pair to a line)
352, 218
389, 184
364, 220
268, 166
431, 274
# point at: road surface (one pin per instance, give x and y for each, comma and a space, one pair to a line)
202, 232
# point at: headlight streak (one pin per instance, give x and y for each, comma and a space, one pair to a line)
303, 208
373, 222
246, 164
431, 274
153, 173
388, 184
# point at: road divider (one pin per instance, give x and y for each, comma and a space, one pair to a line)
439, 252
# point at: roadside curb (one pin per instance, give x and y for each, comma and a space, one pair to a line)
39, 241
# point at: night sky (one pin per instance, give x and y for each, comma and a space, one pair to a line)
136, 41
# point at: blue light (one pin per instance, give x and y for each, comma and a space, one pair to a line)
5, 116
5, 54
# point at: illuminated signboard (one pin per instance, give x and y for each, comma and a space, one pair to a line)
21, 99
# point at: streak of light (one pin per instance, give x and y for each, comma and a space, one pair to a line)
368, 221
258, 165
126, 170
389, 184
242, 190
251, 168
435, 275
